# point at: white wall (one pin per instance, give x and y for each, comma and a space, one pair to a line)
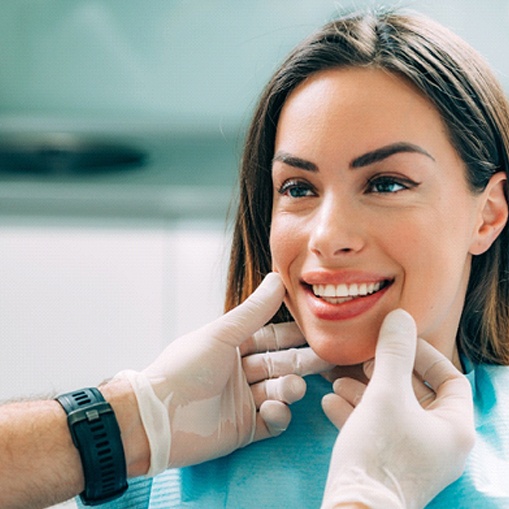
79, 303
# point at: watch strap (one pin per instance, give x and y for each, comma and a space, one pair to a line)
96, 434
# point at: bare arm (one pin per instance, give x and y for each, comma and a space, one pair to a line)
39, 464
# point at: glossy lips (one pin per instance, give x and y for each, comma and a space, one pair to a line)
343, 301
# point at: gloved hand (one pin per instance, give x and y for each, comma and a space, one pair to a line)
198, 402
392, 452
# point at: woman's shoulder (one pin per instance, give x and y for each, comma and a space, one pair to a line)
484, 482
489, 376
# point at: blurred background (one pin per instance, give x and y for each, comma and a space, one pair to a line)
121, 126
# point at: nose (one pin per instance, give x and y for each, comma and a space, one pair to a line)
337, 229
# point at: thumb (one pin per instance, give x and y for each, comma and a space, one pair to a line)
243, 321
396, 347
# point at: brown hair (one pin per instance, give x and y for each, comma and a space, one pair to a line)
473, 106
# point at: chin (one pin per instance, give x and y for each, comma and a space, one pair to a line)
340, 342
341, 353
341, 359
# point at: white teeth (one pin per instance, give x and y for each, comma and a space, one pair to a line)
330, 291
343, 290
353, 290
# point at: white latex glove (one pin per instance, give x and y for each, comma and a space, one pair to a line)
391, 452
196, 401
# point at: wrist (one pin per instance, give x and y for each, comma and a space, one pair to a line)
120, 395
345, 505
351, 505
355, 488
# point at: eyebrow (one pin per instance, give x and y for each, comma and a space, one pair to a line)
297, 162
365, 160
384, 152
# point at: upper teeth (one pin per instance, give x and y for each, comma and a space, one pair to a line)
344, 290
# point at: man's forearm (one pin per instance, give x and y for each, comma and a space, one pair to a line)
39, 464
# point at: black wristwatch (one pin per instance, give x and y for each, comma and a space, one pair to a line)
96, 434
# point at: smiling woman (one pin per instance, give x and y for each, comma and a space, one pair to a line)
380, 207
374, 177
416, 112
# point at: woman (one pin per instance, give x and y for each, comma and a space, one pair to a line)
474, 109
374, 177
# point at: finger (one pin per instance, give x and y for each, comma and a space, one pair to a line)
447, 382
432, 366
273, 418
288, 389
299, 361
454, 401
350, 390
273, 337
336, 409
395, 351
241, 322
422, 392
368, 367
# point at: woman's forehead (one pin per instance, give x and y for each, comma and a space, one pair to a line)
358, 110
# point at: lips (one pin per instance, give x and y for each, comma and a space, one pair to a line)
343, 296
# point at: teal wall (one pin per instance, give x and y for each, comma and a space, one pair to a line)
191, 60
197, 62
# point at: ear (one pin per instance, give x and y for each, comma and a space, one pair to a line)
493, 214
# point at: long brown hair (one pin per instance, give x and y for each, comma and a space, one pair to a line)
473, 106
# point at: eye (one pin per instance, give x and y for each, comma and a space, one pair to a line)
387, 184
296, 189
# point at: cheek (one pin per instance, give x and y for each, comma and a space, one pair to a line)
285, 244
